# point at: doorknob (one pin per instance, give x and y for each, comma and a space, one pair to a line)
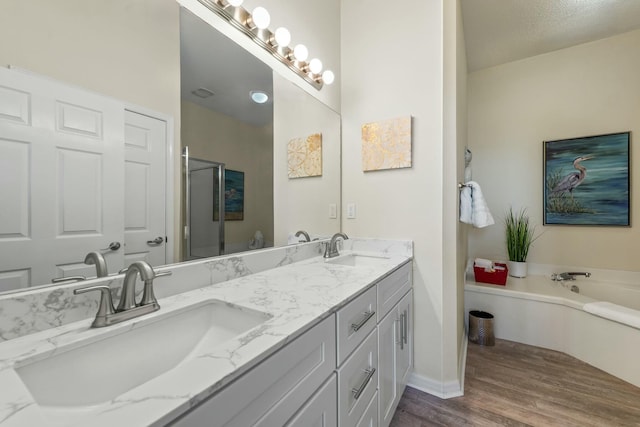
158, 240
113, 246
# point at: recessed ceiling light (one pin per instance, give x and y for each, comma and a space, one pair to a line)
202, 93
259, 97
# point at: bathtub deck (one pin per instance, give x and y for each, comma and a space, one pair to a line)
520, 385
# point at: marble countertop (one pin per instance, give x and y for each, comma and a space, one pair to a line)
292, 298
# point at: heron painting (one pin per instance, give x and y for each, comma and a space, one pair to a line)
586, 180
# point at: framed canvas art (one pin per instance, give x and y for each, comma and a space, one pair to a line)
586, 181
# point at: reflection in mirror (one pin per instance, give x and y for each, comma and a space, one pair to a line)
129, 53
222, 125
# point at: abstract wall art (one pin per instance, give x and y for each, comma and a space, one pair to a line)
386, 144
304, 156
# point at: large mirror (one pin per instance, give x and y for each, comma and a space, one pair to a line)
130, 52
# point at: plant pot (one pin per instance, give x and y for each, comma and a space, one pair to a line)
517, 269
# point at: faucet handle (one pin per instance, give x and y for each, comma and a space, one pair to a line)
148, 296
105, 306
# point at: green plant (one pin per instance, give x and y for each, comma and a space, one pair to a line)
519, 233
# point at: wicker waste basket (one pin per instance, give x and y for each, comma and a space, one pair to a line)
481, 328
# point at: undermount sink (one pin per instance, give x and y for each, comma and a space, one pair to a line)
102, 370
355, 260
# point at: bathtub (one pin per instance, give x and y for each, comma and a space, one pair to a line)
540, 312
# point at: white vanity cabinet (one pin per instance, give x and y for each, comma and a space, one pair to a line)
378, 369
271, 393
395, 340
348, 371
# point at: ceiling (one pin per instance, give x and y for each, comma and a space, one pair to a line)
210, 60
501, 31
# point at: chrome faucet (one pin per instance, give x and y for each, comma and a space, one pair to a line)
127, 308
305, 234
98, 259
331, 249
569, 275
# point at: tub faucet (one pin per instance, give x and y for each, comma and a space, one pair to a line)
331, 250
98, 259
305, 234
569, 275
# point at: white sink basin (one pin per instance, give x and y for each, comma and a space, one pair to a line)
102, 370
355, 260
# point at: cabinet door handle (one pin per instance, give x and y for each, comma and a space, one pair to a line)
367, 315
402, 330
358, 391
405, 319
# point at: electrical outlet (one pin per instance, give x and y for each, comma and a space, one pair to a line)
351, 210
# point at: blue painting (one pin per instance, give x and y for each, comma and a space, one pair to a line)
233, 196
586, 180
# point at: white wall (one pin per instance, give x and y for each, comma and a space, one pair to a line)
393, 65
124, 49
303, 203
241, 147
454, 233
585, 90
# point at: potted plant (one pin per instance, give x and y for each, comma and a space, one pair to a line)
520, 236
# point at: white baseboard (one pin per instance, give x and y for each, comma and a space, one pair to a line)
447, 389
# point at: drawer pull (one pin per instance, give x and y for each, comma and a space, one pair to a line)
367, 315
358, 391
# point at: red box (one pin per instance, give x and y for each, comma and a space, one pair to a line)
497, 277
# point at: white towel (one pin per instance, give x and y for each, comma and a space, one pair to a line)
473, 207
614, 312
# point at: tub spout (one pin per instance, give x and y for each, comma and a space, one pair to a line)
569, 275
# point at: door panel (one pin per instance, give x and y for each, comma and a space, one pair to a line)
51, 136
145, 178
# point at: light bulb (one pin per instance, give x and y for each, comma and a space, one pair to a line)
261, 17
315, 66
283, 37
235, 3
301, 52
328, 77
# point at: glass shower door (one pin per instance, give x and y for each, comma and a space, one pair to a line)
204, 196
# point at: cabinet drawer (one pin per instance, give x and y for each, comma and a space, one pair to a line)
272, 392
370, 416
355, 321
392, 288
358, 381
321, 410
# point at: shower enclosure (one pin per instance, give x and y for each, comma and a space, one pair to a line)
204, 236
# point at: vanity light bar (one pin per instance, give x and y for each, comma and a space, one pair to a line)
241, 19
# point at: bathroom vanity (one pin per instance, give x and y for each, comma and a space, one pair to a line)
293, 339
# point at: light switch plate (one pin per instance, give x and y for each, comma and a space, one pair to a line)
351, 210
333, 210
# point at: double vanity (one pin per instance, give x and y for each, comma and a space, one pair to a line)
275, 337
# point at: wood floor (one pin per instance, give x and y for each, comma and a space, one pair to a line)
514, 384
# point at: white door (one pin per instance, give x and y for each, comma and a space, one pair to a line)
61, 179
145, 183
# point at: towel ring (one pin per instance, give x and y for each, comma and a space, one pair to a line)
461, 185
